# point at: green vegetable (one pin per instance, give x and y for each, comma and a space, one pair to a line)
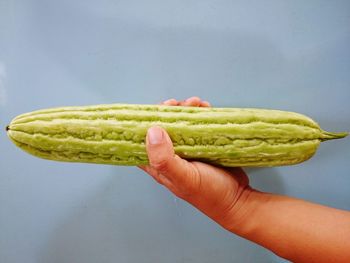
115, 134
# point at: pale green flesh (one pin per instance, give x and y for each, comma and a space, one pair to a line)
115, 134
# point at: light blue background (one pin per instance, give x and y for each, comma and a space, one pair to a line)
289, 55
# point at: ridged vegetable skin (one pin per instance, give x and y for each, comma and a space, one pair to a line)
115, 134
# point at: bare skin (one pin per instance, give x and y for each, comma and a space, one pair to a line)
294, 229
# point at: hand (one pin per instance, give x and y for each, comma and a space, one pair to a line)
297, 230
215, 191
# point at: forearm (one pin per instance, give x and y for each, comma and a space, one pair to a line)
294, 229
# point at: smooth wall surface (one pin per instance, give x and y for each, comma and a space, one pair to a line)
289, 55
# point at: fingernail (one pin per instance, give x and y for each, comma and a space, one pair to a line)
155, 135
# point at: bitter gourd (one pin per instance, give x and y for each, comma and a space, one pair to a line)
115, 134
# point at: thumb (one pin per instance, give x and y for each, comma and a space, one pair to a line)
177, 174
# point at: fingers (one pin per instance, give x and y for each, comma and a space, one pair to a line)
205, 104
190, 102
193, 102
171, 102
168, 169
180, 176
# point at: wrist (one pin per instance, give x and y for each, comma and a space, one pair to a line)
244, 217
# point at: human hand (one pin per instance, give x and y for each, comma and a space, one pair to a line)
217, 192
294, 229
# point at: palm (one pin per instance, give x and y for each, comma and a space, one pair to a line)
219, 189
